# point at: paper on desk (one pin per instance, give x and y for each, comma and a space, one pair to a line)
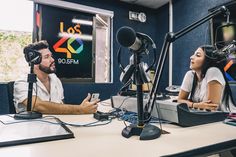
14, 130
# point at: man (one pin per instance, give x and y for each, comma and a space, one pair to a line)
47, 91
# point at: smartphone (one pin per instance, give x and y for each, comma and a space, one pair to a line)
94, 96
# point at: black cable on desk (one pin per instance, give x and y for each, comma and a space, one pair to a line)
59, 122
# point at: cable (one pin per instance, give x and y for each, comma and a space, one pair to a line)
132, 117
89, 124
158, 113
30, 120
123, 101
96, 123
126, 85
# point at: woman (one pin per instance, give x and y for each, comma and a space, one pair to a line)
205, 85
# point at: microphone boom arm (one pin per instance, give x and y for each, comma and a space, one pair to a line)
169, 38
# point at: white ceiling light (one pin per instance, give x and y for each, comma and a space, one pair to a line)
82, 22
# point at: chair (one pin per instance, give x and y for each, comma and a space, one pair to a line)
10, 91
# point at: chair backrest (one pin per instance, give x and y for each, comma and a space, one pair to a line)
10, 91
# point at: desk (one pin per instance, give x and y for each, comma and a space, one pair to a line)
106, 141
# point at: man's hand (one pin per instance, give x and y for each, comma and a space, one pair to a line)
87, 107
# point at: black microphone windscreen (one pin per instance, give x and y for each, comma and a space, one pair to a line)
126, 36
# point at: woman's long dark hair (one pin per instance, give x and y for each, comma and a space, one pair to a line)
212, 59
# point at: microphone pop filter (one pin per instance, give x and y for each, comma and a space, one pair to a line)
126, 36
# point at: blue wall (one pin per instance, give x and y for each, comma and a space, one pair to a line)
185, 13
162, 27
157, 25
121, 13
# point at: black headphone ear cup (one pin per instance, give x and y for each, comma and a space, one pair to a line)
126, 75
145, 76
32, 56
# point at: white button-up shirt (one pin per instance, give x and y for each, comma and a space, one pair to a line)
21, 91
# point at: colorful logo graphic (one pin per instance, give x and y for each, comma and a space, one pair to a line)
230, 69
70, 39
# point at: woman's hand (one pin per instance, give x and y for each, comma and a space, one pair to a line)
208, 105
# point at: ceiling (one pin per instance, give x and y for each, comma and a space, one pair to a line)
154, 4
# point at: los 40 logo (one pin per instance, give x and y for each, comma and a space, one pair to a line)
69, 49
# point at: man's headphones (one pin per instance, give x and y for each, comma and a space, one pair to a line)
128, 71
32, 56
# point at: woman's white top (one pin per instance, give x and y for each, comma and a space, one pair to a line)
201, 89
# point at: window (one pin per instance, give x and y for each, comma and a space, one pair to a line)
79, 37
15, 32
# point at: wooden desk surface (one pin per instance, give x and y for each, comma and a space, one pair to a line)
106, 141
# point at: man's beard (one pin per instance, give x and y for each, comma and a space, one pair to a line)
47, 70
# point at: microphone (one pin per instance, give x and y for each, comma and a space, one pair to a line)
232, 49
127, 37
223, 53
228, 49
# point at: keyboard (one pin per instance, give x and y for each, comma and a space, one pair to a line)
177, 113
180, 114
